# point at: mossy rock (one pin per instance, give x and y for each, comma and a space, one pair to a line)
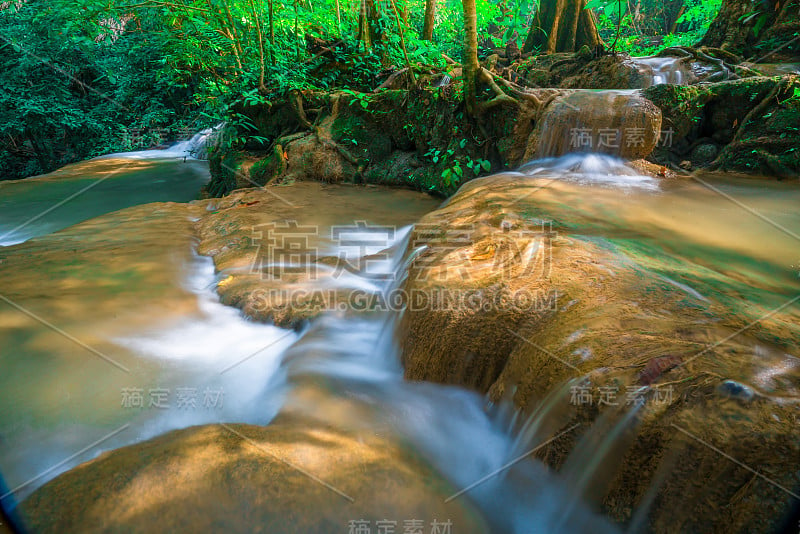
765, 144
267, 169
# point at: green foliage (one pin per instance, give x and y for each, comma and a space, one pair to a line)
70, 88
454, 164
79, 76
643, 28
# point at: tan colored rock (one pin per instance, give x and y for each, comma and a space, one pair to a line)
250, 231
540, 308
620, 123
292, 476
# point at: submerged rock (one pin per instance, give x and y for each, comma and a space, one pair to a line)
276, 249
292, 476
736, 390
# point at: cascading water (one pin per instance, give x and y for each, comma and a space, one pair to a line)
139, 294
196, 147
617, 122
661, 70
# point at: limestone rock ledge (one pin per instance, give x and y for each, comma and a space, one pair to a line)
516, 310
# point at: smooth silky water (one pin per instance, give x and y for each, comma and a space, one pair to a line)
123, 301
44, 204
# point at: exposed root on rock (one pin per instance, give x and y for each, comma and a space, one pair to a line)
735, 144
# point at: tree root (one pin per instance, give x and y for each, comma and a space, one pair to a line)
677, 51
296, 100
725, 154
451, 61
703, 54
565, 61
730, 57
297, 105
501, 97
392, 77
285, 140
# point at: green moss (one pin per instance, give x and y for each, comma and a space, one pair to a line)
223, 166
265, 170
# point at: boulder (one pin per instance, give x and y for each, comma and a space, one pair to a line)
521, 311
294, 475
620, 123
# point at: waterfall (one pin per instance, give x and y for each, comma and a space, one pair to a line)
618, 122
661, 70
197, 146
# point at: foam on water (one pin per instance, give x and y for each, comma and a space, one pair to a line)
662, 70
590, 169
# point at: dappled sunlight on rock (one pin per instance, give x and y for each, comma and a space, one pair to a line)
249, 479
656, 288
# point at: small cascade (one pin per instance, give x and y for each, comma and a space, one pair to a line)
618, 122
551, 415
661, 70
593, 463
590, 169
194, 148
199, 144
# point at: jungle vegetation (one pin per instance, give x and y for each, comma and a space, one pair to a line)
80, 78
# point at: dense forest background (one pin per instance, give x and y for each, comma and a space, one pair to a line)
80, 78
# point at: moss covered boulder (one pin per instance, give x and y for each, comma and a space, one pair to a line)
753, 124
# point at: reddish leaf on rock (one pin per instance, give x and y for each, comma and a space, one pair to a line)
657, 367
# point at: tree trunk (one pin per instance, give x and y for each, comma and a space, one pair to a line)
430, 20
363, 25
370, 31
262, 59
402, 39
271, 22
741, 25
470, 65
562, 26
673, 10
373, 20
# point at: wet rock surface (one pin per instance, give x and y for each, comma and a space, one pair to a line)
275, 247
622, 123
580, 310
297, 475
